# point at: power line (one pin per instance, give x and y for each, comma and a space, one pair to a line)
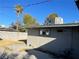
42, 2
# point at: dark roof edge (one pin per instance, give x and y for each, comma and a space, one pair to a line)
56, 25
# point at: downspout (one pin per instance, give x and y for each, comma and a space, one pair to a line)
71, 48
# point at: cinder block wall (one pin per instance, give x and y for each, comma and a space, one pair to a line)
6, 35
37, 41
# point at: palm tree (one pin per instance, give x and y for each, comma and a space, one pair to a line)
19, 10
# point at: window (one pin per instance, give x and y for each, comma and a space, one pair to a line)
41, 32
47, 33
49, 21
76, 30
60, 30
44, 32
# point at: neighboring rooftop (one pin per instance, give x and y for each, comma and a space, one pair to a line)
7, 29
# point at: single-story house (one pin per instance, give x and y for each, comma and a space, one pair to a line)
55, 38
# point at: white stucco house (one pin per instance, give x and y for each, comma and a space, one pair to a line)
53, 20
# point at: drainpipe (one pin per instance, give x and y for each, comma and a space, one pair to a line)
71, 38
71, 48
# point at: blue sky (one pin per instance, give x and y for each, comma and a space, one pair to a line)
64, 8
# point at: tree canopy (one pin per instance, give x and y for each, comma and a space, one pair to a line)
29, 20
52, 16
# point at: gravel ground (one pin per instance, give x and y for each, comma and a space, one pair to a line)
32, 54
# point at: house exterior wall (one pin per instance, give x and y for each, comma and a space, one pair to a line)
76, 43
49, 22
58, 20
63, 39
58, 40
33, 32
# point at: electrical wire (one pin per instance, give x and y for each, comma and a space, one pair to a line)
37, 3
42, 2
